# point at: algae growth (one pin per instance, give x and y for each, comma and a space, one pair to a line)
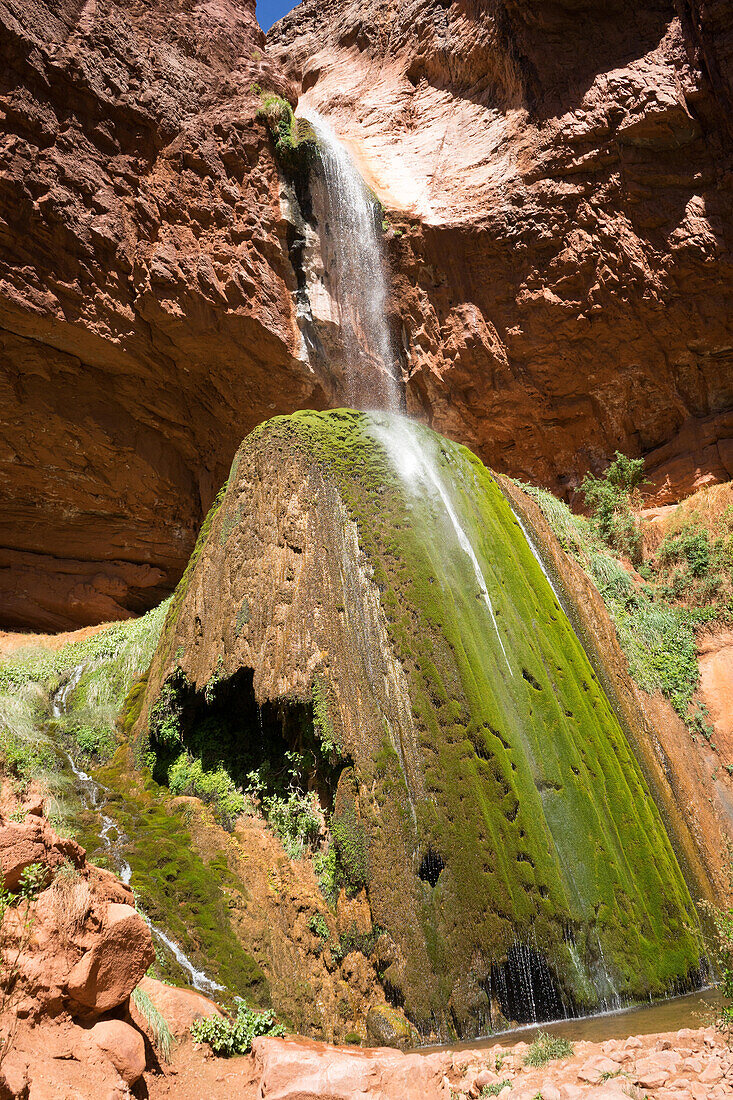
518, 828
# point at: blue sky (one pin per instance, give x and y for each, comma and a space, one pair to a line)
269, 11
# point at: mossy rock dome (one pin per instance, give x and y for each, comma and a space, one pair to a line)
489, 802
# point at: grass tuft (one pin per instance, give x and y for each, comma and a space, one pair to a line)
547, 1048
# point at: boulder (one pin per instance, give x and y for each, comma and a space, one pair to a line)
178, 1007
297, 1070
107, 973
123, 1045
388, 1027
23, 843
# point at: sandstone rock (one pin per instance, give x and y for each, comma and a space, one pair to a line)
388, 1027
123, 1045
14, 1077
593, 1070
108, 972
33, 841
298, 1070
486, 1077
479, 186
178, 1007
651, 1072
711, 1073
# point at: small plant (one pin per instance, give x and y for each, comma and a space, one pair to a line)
495, 1089
547, 1048
163, 1039
227, 1037
186, 775
610, 499
499, 1061
318, 926
608, 1075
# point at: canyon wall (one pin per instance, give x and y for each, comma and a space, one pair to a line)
557, 179
557, 185
145, 310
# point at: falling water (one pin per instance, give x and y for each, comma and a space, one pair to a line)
359, 276
96, 797
414, 462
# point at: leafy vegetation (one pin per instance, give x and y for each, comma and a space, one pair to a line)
296, 147
94, 674
674, 593
610, 500
496, 1088
187, 776
547, 1048
227, 1037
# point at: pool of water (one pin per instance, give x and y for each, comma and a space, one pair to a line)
692, 1010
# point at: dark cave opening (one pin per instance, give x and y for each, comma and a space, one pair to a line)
275, 744
431, 865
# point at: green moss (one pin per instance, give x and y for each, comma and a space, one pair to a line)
296, 146
534, 799
177, 889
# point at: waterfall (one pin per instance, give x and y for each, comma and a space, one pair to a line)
414, 463
359, 276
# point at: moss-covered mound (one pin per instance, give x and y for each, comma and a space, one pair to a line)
488, 800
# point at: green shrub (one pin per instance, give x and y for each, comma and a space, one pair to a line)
227, 1037
318, 926
97, 744
296, 147
547, 1048
167, 711
296, 819
187, 776
496, 1088
609, 499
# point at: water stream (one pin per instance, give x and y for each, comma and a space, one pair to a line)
96, 798
358, 276
416, 465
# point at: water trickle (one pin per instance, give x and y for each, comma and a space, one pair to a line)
96, 797
359, 276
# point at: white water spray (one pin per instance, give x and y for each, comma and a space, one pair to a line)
360, 282
414, 462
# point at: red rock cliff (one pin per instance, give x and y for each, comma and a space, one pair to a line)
558, 179
145, 311
559, 174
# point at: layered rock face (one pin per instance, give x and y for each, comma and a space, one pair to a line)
364, 593
145, 310
558, 185
558, 181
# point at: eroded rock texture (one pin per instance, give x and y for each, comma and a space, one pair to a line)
558, 177
145, 316
558, 181
483, 802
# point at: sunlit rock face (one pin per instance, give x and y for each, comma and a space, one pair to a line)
145, 293
366, 572
558, 180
